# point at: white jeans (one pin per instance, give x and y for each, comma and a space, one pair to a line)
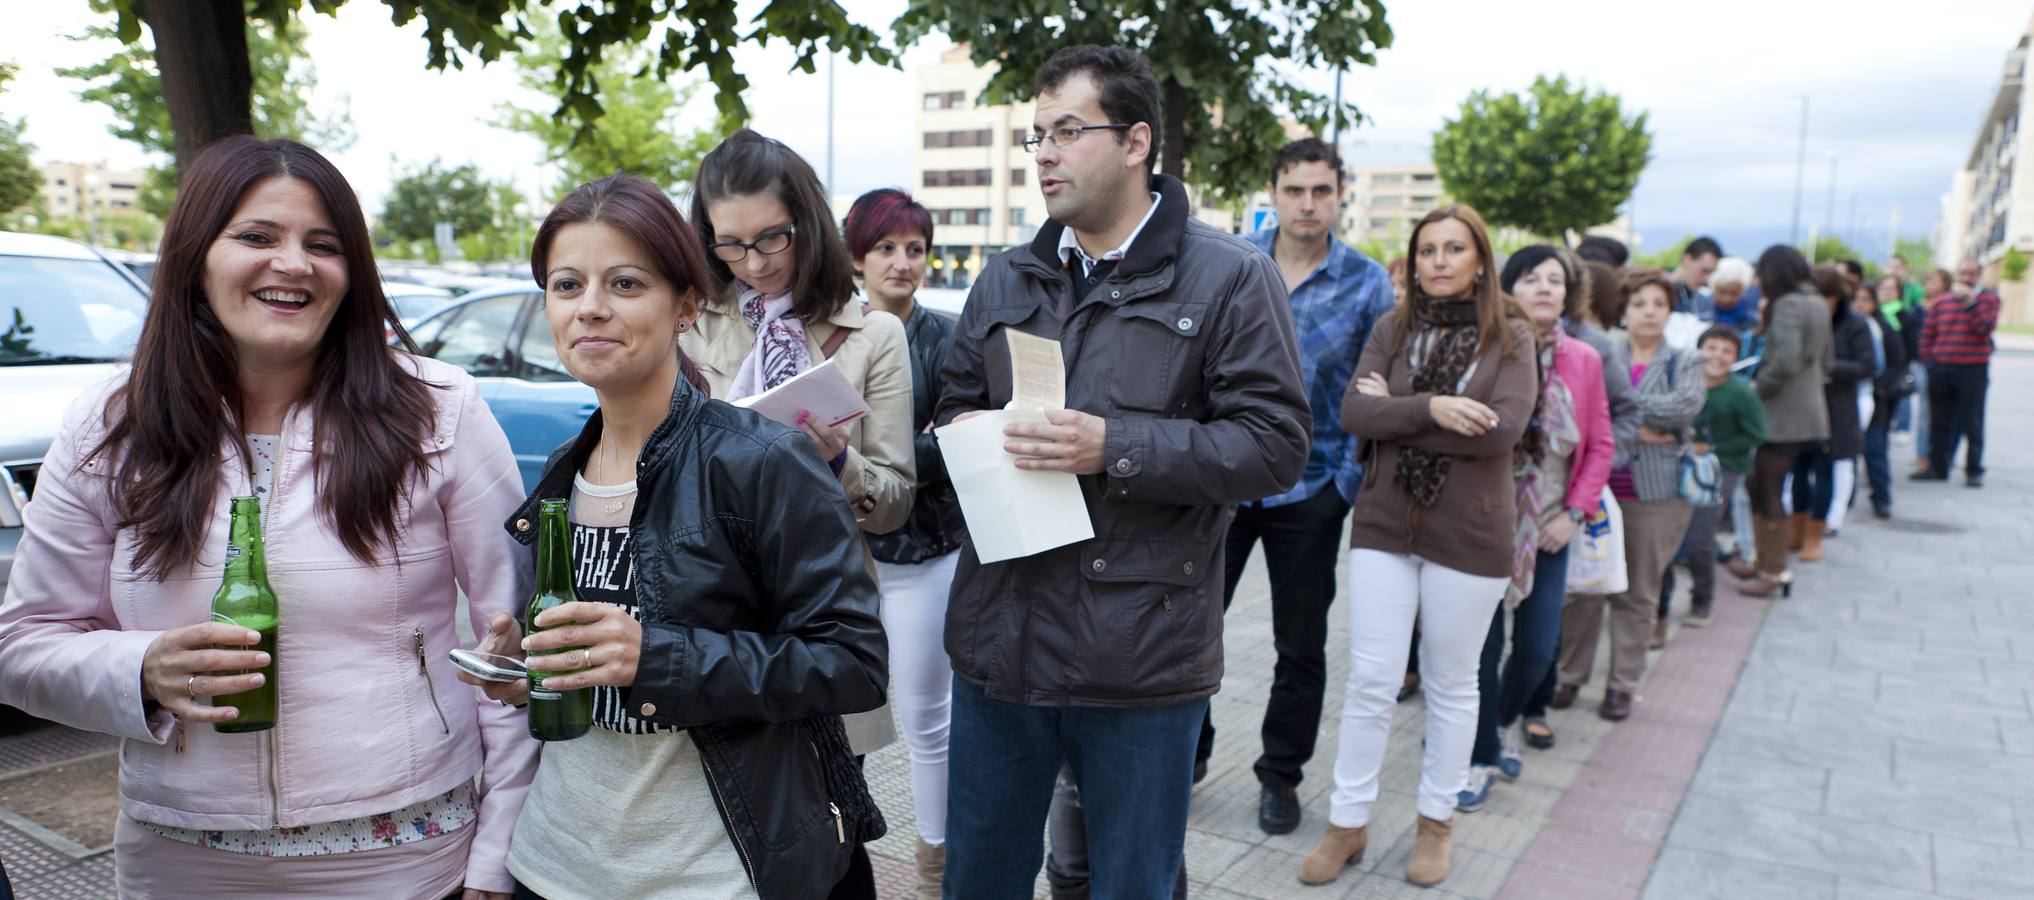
921, 678
1842, 482
1386, 590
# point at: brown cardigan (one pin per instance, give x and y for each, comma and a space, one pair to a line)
1470, 529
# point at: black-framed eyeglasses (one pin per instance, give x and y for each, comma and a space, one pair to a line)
1065, 135
769, 243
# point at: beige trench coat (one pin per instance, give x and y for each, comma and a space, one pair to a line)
880, 468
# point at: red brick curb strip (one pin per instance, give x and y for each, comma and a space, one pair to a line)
1603, 837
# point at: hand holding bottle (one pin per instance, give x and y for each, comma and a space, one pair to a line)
176, 669
604, 640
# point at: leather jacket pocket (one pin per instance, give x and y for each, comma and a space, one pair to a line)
995, 351
1155, 340
780, 781
1138, 626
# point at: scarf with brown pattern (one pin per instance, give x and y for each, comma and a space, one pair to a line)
1443, 348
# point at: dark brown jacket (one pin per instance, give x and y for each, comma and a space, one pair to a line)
1470, 529
1187, 350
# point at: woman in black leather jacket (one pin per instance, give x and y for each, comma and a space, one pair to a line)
889, 235
722, 594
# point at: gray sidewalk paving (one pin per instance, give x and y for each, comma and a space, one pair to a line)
1880, 743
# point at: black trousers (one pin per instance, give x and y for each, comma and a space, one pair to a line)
1302, 542
1956, 409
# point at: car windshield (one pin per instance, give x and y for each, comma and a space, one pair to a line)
410, 306
56, 311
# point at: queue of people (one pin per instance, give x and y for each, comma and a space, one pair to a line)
1520, 448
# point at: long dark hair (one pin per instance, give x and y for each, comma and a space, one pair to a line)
1781, 270
747, 164
1493, 306
634, 206
165, 424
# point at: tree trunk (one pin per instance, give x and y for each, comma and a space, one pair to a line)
201, 50
1172, 161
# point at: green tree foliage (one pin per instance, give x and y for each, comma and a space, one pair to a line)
696, 34
1553, 160
638, 132
425, 195
1919, 253
20, 181
2013, 267
129, 84
1832, 249
1223, 68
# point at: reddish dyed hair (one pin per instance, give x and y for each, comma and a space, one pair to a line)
634, 206
881, 212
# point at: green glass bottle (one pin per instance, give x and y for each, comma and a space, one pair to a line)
244, 599
555, 715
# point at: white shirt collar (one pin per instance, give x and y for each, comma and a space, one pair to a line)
1069, 247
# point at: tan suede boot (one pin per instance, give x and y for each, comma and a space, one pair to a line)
1771, 535
1340, 848
1811, 543
1433, 853
931, 871
1797, 532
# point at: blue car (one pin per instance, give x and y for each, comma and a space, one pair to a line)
501, 337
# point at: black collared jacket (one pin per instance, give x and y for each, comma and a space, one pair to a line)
759, 629
935, 527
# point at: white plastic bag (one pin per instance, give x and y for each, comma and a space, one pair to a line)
1596, 554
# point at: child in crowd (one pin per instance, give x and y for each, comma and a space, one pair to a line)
1733, 425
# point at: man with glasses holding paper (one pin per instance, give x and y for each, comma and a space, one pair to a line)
1182, 398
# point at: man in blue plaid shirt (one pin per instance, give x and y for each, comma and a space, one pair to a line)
1337, 294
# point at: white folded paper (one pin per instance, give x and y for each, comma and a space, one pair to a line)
821, 389
1010, 512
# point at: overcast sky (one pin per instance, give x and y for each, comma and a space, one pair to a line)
1896, 93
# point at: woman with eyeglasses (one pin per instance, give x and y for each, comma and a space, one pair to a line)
784, 306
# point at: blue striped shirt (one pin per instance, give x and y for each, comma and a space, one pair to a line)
1332, 313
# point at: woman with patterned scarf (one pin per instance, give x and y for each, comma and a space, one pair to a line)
1443, 393
1559, 486
786, 306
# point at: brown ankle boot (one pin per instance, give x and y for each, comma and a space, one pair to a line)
1771, 538
1811, 544
931, 871
1432, 854
1797, 532
1659, 641
1340, 848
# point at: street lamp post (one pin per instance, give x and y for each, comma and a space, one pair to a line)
1800, 171
1829, 212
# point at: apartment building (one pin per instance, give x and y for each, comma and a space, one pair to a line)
87, 190
971, 170
1989, 209
1384, 201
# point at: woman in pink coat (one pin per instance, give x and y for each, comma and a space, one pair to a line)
262, 370
1560, 487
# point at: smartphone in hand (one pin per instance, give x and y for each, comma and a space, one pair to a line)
488, 666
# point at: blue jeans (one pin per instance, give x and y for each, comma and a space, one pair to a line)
1814, 484
1878, 469
1536, 635
1134, 766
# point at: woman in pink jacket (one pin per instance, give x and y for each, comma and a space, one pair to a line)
1559, 488
262, 370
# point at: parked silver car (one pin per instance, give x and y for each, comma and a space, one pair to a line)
68, 317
